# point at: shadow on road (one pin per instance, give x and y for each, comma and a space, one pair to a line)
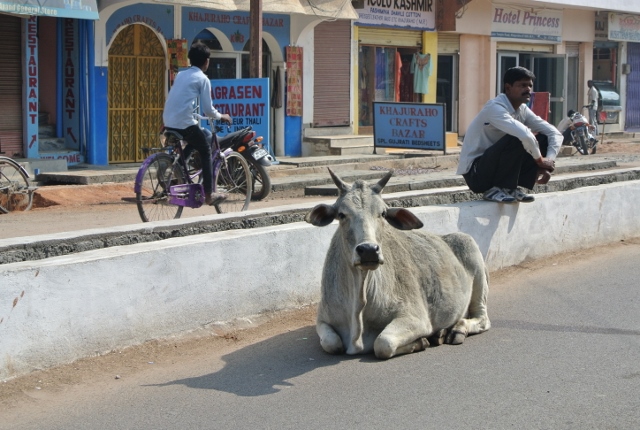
266, 367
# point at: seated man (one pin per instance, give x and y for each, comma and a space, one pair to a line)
500, 150
565, 127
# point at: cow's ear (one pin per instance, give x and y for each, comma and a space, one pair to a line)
321, 215
403, 219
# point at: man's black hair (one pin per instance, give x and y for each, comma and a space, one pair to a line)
571, 112
515, 74
199, 54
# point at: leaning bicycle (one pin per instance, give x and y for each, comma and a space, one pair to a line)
16, 194
167, 182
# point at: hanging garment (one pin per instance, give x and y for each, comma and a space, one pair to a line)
421, 67
276, 96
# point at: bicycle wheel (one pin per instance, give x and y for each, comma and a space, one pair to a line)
15, 194
154, 178
233, 178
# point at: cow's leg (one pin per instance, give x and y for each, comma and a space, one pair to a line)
402, 336
329, 339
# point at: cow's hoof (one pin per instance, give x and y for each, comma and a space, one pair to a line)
437, 338
422, 344
456, 337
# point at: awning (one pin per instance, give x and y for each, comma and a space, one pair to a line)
338, 9
79, 9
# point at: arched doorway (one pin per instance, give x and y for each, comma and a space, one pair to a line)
137, 65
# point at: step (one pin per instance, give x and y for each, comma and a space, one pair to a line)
442, 178
88, 177
25, 249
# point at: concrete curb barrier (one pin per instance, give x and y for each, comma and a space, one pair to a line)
60, 309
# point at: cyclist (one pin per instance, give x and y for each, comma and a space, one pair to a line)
189, 85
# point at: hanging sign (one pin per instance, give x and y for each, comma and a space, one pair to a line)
526, 23
246, 101
409, 125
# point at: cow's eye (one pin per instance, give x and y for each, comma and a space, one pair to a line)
341, 216
384, 214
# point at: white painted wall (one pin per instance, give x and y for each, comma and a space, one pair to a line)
57, 310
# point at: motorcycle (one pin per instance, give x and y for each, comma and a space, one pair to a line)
582, 134
246, 142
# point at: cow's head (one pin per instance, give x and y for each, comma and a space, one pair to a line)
363, 216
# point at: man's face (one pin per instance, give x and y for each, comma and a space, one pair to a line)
519, 92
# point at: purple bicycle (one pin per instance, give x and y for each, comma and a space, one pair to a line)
167, 182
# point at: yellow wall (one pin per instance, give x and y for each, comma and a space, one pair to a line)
430, 45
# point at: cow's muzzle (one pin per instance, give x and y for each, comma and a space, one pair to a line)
369, 256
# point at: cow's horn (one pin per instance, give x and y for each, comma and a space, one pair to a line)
344, 188
382, 182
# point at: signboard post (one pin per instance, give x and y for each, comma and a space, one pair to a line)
409, 126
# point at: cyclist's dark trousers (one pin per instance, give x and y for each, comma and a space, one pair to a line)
197, 140
505, 164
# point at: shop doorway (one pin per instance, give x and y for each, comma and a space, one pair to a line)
385, 75
446, 92
551, 77
137, 66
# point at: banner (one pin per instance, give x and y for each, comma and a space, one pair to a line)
294, 80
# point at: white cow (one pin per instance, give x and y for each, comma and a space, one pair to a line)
387, 290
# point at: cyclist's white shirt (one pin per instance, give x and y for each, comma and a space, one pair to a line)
189, 85
497, 119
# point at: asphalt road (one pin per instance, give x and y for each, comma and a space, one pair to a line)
563, 353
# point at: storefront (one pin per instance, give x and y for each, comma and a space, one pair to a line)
624, 31
528, 39
397, 57
44, 88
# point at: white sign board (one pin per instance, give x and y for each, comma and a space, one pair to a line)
624, 27
417, 14
525, 23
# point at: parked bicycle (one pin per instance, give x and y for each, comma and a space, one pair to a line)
167, 182
16, 194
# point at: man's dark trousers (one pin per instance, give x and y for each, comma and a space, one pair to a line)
506, 165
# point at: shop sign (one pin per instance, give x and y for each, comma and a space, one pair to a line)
32, 84
78, 9
526, 23
409, 125
601, 27
246, 101
624, 27
417, 14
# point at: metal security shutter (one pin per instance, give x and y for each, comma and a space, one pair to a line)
389, 37
11, 87
448, 43
332, 66
632, 117
572, 49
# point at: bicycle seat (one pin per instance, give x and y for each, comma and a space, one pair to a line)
172, 135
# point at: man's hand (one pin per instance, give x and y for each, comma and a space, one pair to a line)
226, 118
543, 177
546, 164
